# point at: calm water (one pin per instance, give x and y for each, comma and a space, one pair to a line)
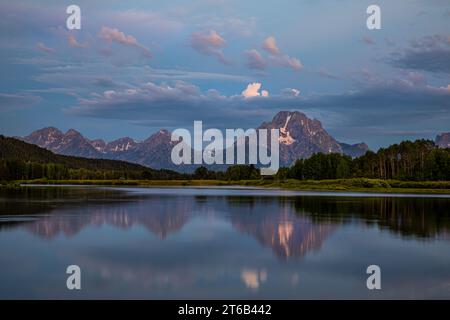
221, 243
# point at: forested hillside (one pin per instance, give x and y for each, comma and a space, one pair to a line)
21, 161
413, 161
418, 160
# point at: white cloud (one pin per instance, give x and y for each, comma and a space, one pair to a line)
391, 105
109, 94
290, 92
252, 90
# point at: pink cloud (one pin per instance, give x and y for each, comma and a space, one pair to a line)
368, 40
252, 90
270, 46
255, 60
210, 43
277, 57
42, 47
286, 61
73, 42
115, 35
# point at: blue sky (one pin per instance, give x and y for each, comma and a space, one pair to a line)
138, 66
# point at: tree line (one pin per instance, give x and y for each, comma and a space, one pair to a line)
26, 170
23, 161
411, 161
416, 161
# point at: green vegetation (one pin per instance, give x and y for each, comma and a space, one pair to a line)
406, 167
356, 184
23, 161
339, 185
410, 161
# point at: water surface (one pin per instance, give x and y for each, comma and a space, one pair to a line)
221, 243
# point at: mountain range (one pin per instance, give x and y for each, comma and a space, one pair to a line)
443, 140
300, 137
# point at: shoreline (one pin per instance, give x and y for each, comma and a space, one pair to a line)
342, 185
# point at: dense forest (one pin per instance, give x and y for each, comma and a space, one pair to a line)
412, 161
416, 161
23, 161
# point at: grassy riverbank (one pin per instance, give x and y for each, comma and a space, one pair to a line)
338, 185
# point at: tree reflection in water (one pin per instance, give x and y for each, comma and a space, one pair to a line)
290, 225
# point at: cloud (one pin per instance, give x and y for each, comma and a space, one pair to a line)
81, 75
290, 92
73, 42
252, 90
70, 36
286, 61
416, 78
42, 47
105, 82
270, 46
151, 21
278, 58
368, 40
209, 43
445, 89
16, 20
327, 74
114, 35
431, 42
13, 101
178, 104
390, 42
395, 105
106, 52
429, 53
62, 91
232, 26
255, 60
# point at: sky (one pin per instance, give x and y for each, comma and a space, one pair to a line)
136, 67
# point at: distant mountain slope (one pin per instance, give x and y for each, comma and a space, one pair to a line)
71, 143
14, 149
300, 137
443, 140
354, 150
155, 151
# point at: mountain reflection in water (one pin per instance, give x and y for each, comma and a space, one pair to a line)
220, 243
290, 226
